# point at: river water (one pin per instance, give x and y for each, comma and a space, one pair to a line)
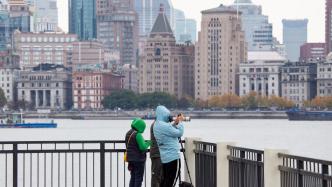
310, 139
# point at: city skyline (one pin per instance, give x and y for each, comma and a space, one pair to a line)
315, 12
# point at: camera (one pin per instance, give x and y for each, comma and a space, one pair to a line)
173, 118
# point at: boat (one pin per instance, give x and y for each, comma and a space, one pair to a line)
15, 120
303, 115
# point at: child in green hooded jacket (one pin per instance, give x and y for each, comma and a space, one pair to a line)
136, 151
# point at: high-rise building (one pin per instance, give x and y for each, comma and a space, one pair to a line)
9, 71
118, 29
295, 34
4, 27
258, 30
221, 47
191, 29
20, 14
328, 25
312, 52
148, 11
45, 15
180, 23
82, 19
164, 65
324, 77
185, 29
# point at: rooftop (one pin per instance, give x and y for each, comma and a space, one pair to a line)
161, 25
221, 8
265, 56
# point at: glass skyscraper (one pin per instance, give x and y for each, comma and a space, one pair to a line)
148, 11
4, 27
294, 36
82, 18
258, 30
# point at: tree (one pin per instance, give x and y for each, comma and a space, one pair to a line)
3, 99
250, 101
124, 99
152, 100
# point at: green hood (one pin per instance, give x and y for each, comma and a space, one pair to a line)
138, 124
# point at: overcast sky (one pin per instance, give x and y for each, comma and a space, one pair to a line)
277, 10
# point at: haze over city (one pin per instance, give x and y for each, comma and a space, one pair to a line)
314, 10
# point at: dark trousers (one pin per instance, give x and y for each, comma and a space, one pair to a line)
156, 172
136, 173
170, 173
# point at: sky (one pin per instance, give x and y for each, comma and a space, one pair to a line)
314, 10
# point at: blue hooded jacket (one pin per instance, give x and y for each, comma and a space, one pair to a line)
167, 135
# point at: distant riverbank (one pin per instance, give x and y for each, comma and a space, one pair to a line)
123, 115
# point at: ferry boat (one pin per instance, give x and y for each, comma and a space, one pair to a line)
15, 120
302, 115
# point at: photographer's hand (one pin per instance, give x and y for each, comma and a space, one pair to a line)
178, 119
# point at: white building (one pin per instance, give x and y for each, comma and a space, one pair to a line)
8, 74
324, 77
261, 73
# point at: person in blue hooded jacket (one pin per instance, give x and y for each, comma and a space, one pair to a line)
167, 135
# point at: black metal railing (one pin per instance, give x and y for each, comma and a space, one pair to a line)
305, 172
206, 164
64, 164
246, 167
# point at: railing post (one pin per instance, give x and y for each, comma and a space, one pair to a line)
272, 177
325, 171
102, 164
223, 163
15, 165
190, 156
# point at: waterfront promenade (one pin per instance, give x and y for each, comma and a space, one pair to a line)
100, 164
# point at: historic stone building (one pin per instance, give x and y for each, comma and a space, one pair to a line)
221, 47
90, 88
9, 71
298, 82
261, 74
46, 86
324, 77
130, 81
164, 65
48, 48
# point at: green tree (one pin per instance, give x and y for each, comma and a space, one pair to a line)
250, 101
124, 99
3, 99
152, 100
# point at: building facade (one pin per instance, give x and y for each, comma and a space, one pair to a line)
328, 25
83, 19
118, 28
4, 27
219, 51
9, 71
90, 88
324, 77
20, 14
261, 74
298, 82
294, 36
88, 55
312, 52
258, 30
45, 15
164, 65
46, 86
130, 73
49, 48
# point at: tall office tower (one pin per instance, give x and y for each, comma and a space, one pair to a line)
82, 18
221, 47
328, 26
20, 16
45, 15
191, 29
180, 23
294, 36
164, 65
258, 30
4, 27
117, 28
147, 11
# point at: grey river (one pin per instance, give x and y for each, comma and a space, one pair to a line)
310, 139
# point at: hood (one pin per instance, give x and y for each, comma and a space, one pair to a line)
162, 113
138, 124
